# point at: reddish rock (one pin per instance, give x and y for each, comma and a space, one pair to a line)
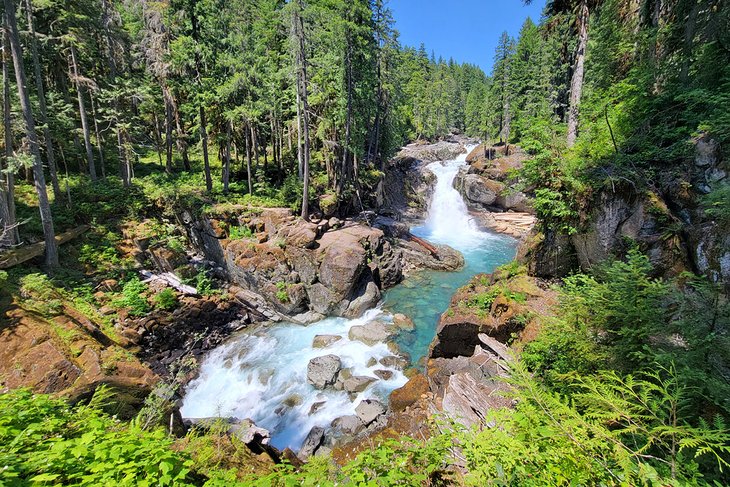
411, 392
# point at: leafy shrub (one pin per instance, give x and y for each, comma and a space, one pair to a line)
717, 203
239, 232
40, 294
281, 292
165, 300
47, 442
134, 297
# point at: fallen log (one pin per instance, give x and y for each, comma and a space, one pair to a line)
171, 280
11, 258
433, 250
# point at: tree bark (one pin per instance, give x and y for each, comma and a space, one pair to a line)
249, 173
227, 158
169, 116
42, 103
82, 115
576, 82
204, 141
99, 141
40, 180
13, 235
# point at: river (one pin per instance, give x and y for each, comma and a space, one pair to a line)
263, 376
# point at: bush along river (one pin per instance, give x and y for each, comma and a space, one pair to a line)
337, 373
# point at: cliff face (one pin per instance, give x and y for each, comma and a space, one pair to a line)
666, 218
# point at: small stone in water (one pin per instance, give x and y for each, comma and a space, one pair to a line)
324, 341
293, 400
384, 374
371, 362
316, 407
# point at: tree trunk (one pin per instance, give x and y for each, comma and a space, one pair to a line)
576, 82
13, 235
169, 111
99, 141
40, 179
204, 141
180, 141
227, 160
302, 83
42, 103
82, 115
249, 173
158, 137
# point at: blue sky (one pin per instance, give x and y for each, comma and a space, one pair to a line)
466, 30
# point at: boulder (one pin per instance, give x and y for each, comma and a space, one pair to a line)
322, 371
358, 383
369, 410
349, 425
312, 442
253, 436
478, 191
371, 333
439, 151
324, 341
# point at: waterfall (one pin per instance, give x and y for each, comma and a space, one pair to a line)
448, 220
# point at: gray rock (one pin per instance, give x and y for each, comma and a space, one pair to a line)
308, 317
369, 410
349, 425
250, 434
706, 152
322, 371
324, 341
368, 297
358, 383
371, 333
312, 442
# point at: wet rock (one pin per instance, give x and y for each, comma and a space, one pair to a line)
349, 425
394, 362
403, 322
324, 341
371, 361
312, 442
371, 333
407, 395
322, 371
384, 374
369, 410
316, 407
358, 383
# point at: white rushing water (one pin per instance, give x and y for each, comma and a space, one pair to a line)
264, 377
448, 221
